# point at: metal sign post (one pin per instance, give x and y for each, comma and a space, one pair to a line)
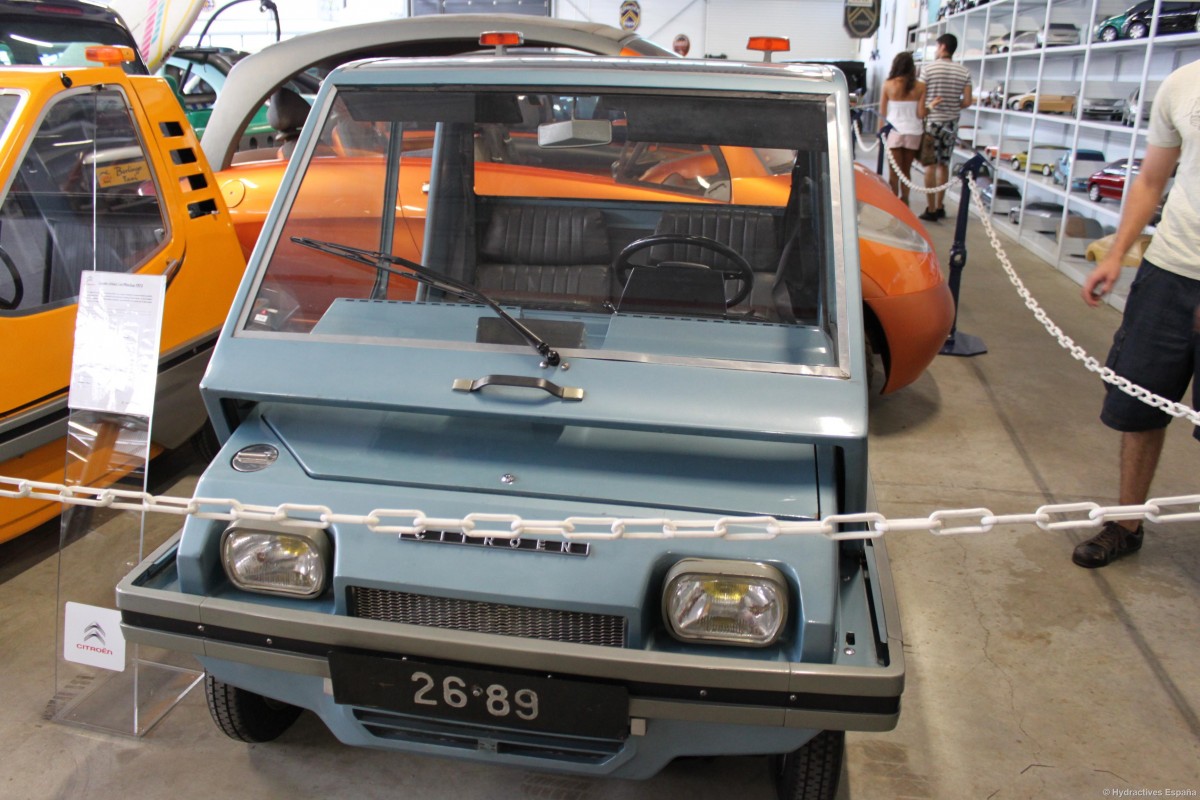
99, 682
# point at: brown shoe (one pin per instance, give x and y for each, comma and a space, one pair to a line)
1112, 542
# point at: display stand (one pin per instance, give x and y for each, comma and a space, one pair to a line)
99, 682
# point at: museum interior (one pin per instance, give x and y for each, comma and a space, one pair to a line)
350, 346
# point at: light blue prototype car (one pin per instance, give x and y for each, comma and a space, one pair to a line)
643, 323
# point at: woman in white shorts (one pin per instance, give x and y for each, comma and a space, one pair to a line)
903, 105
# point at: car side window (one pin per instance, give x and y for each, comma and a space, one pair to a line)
83, 197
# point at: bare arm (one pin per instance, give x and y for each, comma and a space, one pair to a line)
1140, 205
883, 105
921, 110
967, 98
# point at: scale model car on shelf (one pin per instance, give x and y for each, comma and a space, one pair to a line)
1039, 217
1021, 40
1058, 34
1135, 22
1074, 168
1044, 102
909, 309
1110, 181
1005, 150
1041, 158
547, 338
1109, 108
1001, 196
98, 170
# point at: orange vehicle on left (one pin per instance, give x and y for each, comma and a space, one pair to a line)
99, 170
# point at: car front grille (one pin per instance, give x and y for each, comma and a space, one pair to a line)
471, 615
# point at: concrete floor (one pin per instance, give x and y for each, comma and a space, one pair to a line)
1027, 676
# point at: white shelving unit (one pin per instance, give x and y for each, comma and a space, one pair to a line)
1088, 70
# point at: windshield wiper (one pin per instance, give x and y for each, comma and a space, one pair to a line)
416, 272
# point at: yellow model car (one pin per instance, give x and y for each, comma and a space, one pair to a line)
1043, 102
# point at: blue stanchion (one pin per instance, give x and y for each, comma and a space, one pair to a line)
883, 132
959, 343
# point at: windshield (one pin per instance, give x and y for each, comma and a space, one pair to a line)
53, 42
615, 225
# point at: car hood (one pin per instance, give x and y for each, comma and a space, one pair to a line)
537, 462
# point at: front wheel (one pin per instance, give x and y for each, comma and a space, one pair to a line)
1046, 170
1109, 34
1094, 193
246, 716
813, 771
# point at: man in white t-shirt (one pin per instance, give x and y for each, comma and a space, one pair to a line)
1158, 343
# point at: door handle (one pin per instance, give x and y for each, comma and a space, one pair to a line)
521, 382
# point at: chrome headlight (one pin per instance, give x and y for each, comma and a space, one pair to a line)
274, 559
876, 225
725, 602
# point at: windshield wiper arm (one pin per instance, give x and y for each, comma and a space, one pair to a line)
421, 274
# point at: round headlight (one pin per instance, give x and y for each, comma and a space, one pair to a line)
274, 559
725, 602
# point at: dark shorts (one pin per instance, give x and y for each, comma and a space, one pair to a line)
1157, 347
944, 136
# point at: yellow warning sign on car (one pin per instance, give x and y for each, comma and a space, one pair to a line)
121, 174
631, 15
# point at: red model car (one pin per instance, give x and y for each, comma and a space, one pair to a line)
1110, 181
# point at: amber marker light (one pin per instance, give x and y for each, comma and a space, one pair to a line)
501, 40
110, 55
769, 44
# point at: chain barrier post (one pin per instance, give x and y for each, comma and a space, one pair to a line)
883, 132
959, 343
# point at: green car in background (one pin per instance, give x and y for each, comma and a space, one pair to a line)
199, 74
1135, 22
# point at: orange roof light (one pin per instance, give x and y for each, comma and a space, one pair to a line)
110, 55
769, 44
501, 40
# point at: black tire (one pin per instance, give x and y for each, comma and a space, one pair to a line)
1047, 170
246, 716
205, 443
1138, 30
1094, 193
876, 369
1109, 34
1027, 107
1016, 164
812, 772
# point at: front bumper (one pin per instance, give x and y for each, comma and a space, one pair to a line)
678, 704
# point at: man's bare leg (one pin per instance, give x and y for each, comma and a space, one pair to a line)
1140, 452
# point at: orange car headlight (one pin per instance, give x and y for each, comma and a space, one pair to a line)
881, 227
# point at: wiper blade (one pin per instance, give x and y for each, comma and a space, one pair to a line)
414, 271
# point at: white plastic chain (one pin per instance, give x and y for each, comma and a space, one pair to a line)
882, 141
1057, 517
1177, 410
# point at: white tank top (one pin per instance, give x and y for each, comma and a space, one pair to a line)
903, 116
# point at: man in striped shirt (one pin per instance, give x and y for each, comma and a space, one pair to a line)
947, 92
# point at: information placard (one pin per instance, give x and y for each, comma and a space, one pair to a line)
117, 332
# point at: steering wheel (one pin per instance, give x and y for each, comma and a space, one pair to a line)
18, 284
744, 273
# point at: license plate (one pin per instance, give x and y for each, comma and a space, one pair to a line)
481, 696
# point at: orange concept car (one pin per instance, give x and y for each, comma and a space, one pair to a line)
99, 170
909, 309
